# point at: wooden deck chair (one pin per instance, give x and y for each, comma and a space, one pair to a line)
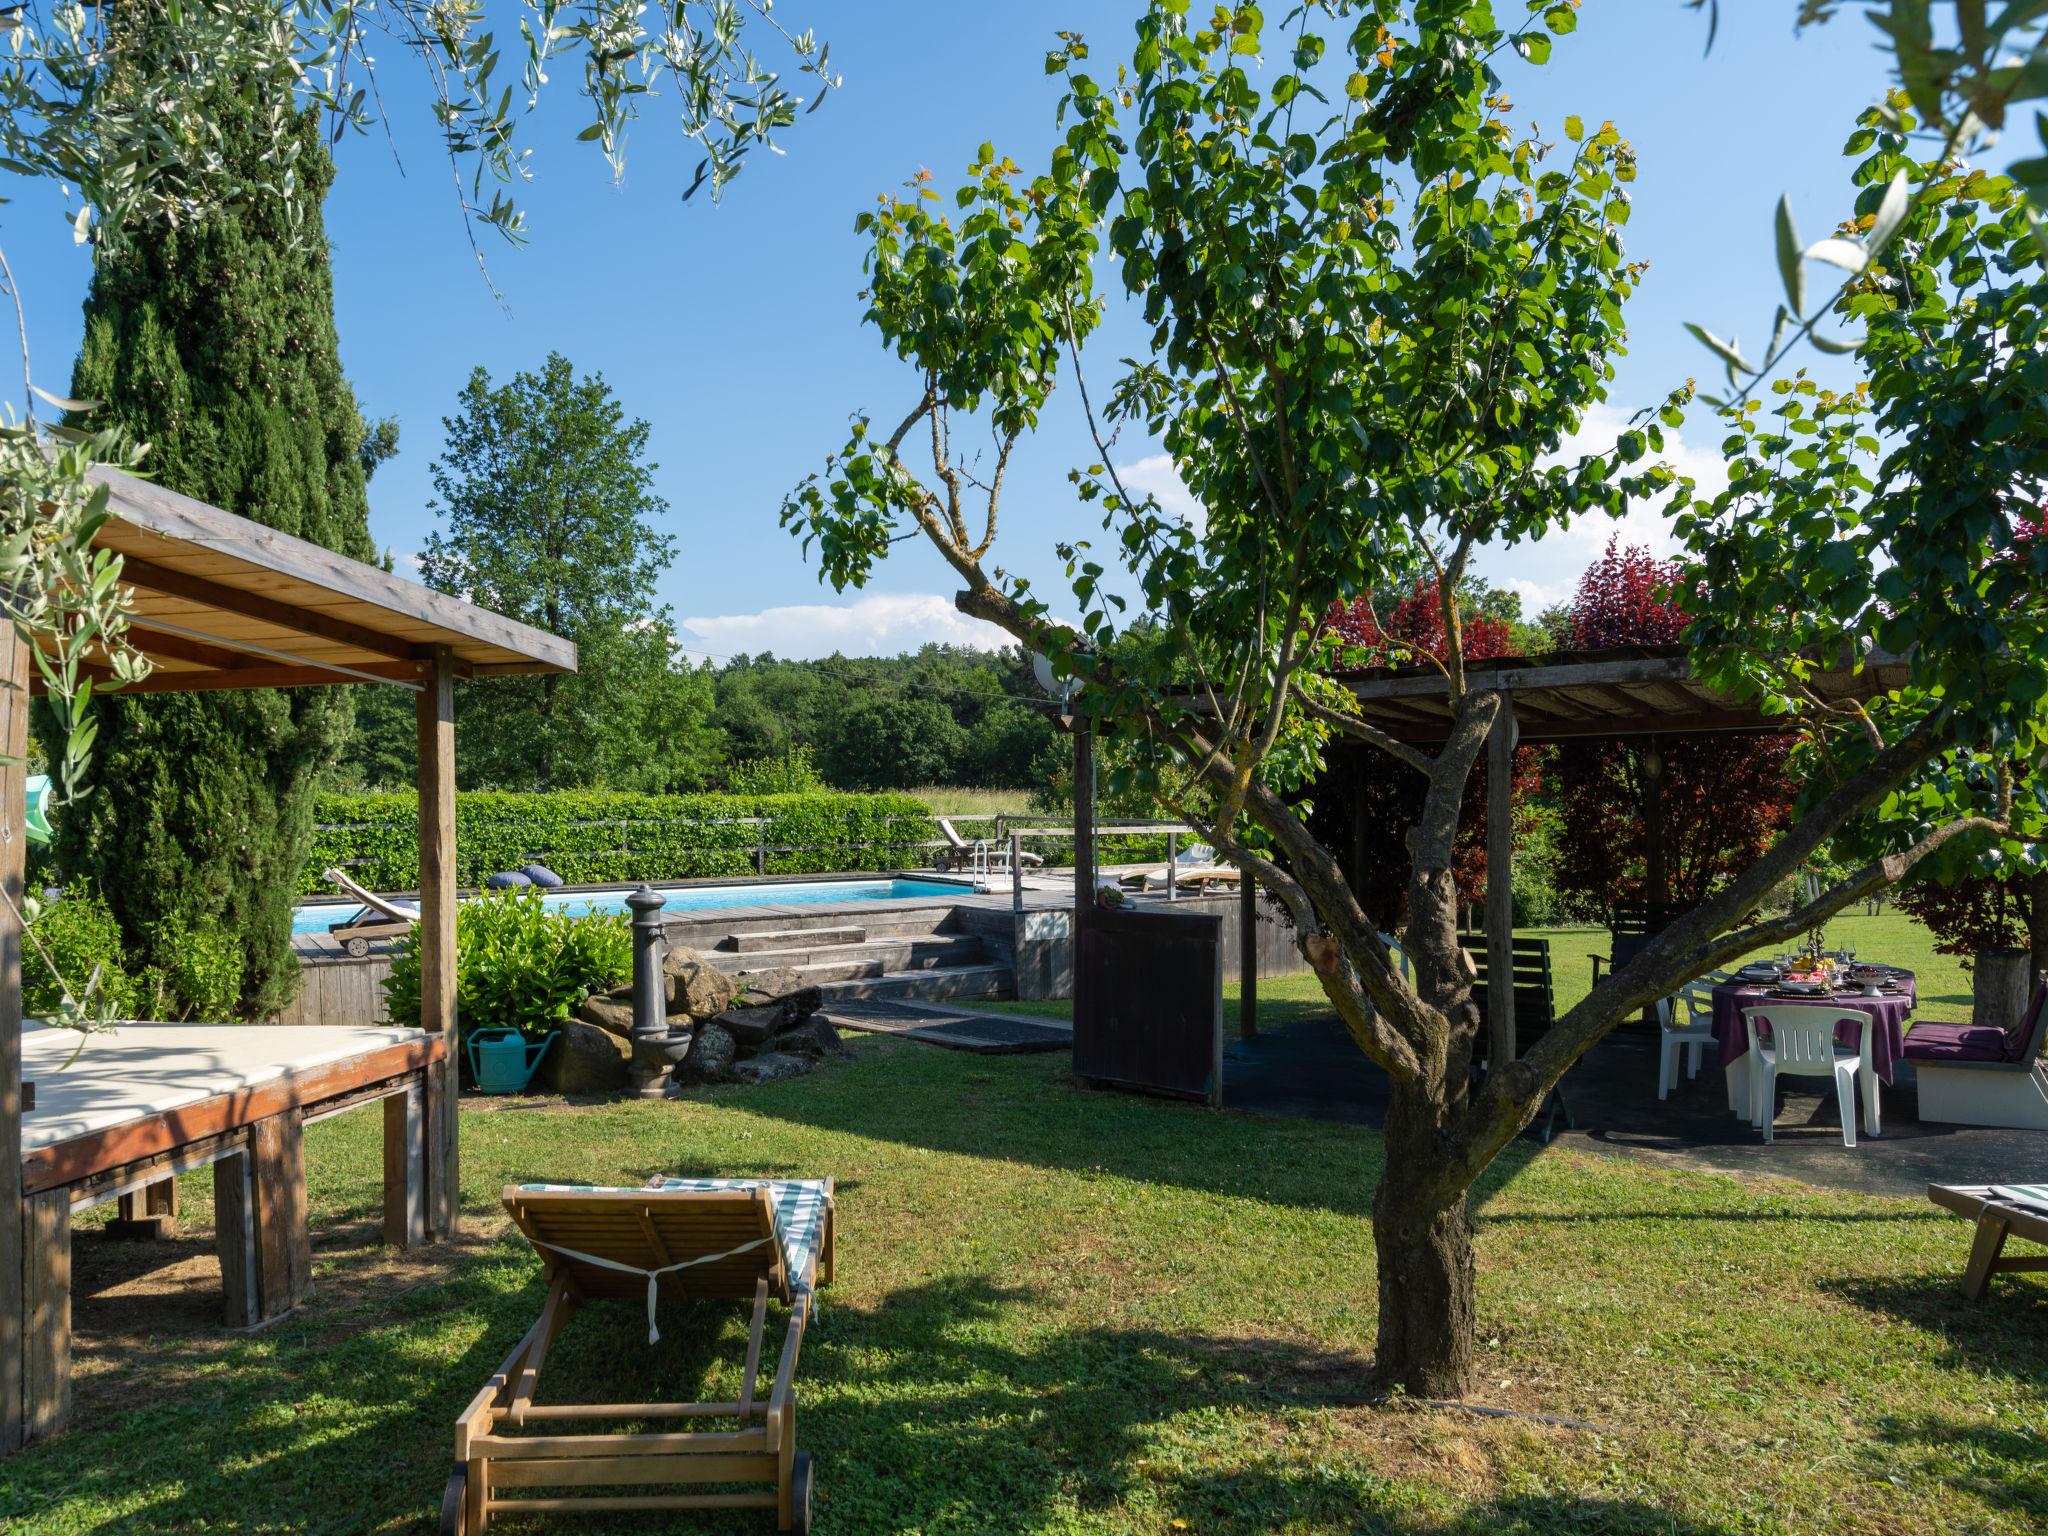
380, 918
745, 1239
2000, 1211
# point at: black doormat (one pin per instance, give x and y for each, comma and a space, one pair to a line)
983, 1033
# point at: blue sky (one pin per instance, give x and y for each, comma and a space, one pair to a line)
734, 328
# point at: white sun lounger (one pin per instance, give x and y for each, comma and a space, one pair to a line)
380, 918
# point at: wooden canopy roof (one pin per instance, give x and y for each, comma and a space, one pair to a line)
1638, 691
223, 602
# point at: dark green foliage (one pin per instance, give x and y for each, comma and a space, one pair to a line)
941, 715
519, 964
214, 343
592, 837
78, 938
550, 516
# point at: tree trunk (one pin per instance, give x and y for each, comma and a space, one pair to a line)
2001, 981
1425, 1259
2037, 924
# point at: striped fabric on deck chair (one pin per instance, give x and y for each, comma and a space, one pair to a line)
741, 1239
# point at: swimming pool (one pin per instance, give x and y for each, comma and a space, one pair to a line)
318, 918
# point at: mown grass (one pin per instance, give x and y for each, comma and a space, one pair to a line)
1892, 937
1065, 1311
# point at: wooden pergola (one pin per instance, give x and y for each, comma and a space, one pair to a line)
222, 602
1647, 693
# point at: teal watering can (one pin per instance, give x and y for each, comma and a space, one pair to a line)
503, 1060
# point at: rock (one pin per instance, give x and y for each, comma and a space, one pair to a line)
770, 1067
711, 1055
694, 986
609, 1014
585, 1059
769, 984
814, 1037
754, 1027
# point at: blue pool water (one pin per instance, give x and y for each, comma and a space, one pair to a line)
321, 917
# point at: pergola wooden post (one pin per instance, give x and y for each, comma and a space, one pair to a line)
436, 711
1500, 884
14, 1214
221, 602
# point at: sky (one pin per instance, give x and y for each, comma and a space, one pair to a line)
734, 328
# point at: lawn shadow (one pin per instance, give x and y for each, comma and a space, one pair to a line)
936, 1409
1029, 1111
2002, 1338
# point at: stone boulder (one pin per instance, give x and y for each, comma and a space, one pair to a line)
813, 1037
770, 984
585, 1059
770, 1067
753, 1028
611, 1014
710, 1057
694, 986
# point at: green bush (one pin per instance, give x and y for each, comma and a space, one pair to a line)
793, 773
594, 837
519, 964
78, 935
202, 970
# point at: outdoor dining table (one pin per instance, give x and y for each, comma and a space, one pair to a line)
1886, 1013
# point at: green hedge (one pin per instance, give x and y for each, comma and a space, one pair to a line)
592, 838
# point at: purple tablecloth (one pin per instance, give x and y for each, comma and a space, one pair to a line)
1890, 1011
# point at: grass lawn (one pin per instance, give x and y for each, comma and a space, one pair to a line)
1892, 937
1069, 1311
951, 800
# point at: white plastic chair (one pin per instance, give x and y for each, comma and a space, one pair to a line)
1802, 1044
1692, 1037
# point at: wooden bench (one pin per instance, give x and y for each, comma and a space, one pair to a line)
1996, 1221
1535, 1012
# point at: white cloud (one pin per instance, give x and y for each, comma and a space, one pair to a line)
1156, 475
876, 624
1548, 571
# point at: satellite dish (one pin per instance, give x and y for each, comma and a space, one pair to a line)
1041, 668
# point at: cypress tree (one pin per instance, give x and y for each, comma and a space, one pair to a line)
214, 343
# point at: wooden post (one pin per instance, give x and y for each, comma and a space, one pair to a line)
1248, 957
234, 1237
14, 1233
1172, 856
1084, 821
1656, 878
46, 1315
405, 1168
1500, 886
437, 937
284, 1250
150, 1212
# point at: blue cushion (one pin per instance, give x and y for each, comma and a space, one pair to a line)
506, 880
542, 876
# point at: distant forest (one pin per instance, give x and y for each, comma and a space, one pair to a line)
943, 715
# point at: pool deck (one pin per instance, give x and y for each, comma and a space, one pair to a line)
1051, 891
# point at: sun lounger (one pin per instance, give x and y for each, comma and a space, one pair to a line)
380, 918
1193, 868
959, 852
744, 1239
2000, 1211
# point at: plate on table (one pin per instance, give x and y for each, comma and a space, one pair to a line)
1758, 973
1802, 989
